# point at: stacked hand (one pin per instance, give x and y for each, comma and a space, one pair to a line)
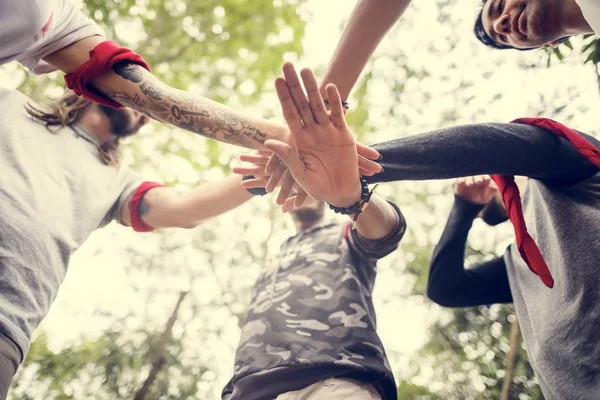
322, 157
476, 189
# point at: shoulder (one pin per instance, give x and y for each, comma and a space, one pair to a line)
591, 12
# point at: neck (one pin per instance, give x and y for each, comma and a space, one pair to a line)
572, 19
306, 225
96, 124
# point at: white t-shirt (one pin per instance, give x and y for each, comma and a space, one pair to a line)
32, 29
591, 13
55, 191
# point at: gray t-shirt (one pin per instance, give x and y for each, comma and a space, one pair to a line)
54, 192
561, 326
32, 29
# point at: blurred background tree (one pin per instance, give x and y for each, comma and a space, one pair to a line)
156, 316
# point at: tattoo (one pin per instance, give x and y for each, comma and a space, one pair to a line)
143, 208
128, 70
135, 102
152, 98
151, 92
178, 113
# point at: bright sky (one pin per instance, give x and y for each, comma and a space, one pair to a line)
97, 280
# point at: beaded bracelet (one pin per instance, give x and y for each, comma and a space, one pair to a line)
359, 206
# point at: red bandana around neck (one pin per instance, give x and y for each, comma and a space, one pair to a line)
512, 200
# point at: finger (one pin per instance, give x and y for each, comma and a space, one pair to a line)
255, 159
272, 164
289, 204
301, 197
295, 88
288, 107
286, 188
264, 153
275, 177
255, 183
367, 152
314, 96
335, 102
369, 165
256, 170
365, 172
288, 156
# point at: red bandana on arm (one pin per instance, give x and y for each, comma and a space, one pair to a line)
102, 59
512, 200
137, 223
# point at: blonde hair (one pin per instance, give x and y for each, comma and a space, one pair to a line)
67, 110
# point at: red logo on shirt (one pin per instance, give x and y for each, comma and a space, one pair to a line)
45, 29
48, 25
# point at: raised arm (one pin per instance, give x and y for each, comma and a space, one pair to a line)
133, 86
163, 207
368, 24
477, 149
450, 284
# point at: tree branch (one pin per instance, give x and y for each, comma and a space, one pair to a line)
511, 360
160, 359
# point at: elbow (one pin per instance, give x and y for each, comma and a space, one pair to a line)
187, 224
438, 296
440, 291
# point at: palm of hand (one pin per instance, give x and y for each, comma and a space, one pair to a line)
330, 165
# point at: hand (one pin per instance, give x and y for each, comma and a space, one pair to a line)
275, 168
476, 189
323, 159
289, 188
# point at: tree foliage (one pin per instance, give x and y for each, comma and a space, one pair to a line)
158, 345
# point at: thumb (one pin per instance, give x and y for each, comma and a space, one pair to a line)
286, 154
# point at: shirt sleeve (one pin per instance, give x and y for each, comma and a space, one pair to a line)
375, 249
67, 25
128, 182
507, 149
450, 284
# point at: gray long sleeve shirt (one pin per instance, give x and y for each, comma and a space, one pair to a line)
561, 326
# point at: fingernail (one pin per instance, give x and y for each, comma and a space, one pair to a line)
382, 169
380, 156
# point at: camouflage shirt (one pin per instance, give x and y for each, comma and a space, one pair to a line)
311, 317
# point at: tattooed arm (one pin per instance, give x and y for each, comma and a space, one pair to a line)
164, 207
135, 87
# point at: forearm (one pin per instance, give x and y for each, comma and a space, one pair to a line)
449, 283
212, 199
378, 220
367, 26
513, 149
133, 86
447, 262
164, 208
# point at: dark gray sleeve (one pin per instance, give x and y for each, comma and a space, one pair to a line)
450, 284
375, 249
508, 149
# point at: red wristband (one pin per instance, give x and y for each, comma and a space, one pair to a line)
134, 207
102, 59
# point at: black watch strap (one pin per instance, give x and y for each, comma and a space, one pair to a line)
254, 191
